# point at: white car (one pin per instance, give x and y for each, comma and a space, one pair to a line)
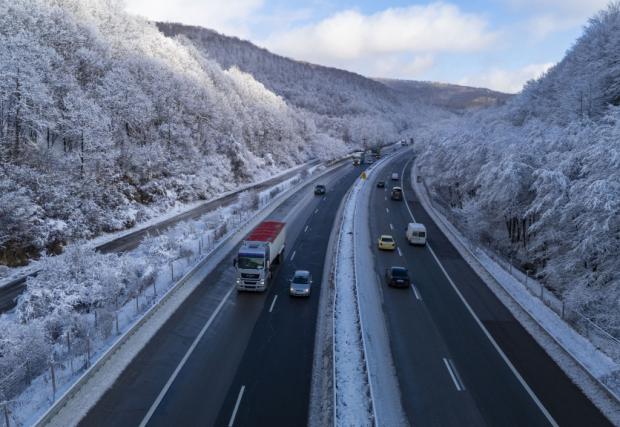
416, 233
395, 176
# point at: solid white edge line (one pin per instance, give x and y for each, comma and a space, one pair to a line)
456, 374
234, 414
292, 256
273, 303
449, 368
484, 329
164, 390
415, 292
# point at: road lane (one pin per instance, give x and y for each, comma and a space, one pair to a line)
495, 392
199, 388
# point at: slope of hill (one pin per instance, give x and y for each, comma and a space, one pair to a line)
345, 104
445, 95
105, 121
539, 179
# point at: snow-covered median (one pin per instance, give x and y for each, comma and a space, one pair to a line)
353, 403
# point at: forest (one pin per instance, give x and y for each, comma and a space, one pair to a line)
539, 178
105, 122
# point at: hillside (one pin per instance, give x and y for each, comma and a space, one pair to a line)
449, 96
106, 122
539, 178
345, 104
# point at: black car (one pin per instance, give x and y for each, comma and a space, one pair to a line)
320, 189
397, 277
397, 193
380, 184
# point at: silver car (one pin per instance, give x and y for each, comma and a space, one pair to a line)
300, 284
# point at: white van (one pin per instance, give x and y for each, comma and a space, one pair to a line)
416, 233
394, 176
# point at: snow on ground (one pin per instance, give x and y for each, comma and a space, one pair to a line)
193, 241
351, 387
7, 274
382, 373
598, 364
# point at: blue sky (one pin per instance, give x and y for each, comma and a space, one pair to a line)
497, 44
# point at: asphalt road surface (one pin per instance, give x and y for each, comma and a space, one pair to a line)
449, 371
260, 343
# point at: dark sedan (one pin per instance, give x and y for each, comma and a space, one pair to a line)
320, 189
397, 277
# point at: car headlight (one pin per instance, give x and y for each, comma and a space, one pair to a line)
262, 282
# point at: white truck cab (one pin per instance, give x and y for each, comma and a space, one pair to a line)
416, 233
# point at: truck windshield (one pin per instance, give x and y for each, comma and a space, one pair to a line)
251, 262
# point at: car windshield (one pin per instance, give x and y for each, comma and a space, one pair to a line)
301, 280
387, 239
251, 262
399, 272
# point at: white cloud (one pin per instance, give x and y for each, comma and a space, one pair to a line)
231, 17
393, 66
350, 35
510, 81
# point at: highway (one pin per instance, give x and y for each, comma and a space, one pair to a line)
127, 242
450, 373
253, 365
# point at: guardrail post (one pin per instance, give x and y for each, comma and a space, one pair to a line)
172, 270
88, 350
562, 309
116, 313
53, 374
542, 290
6, 413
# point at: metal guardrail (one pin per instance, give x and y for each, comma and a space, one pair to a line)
12, 289
551, 301
122, 340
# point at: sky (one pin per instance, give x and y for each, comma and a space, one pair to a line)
497, 44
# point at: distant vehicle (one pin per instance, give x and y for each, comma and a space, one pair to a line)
387, 242
319, 189
263, 248
397, 277
380, 184
300, 284
397, 193
416, 233
395, 176
356, 162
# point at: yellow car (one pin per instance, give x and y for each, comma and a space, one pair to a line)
387, 242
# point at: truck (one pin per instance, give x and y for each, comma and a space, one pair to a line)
260, 251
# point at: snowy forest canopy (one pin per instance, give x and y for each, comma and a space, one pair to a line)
104, 122
539, 179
